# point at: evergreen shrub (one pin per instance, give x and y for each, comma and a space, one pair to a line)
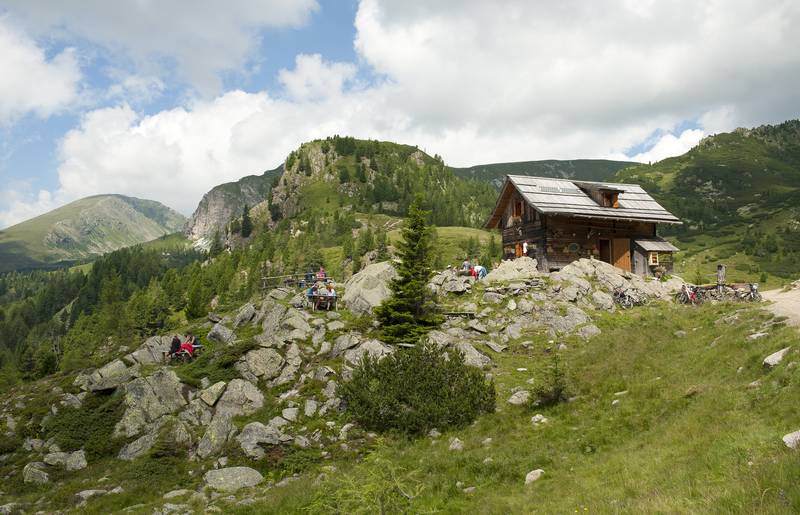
417, 389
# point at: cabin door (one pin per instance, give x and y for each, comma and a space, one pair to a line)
622, 253
518, 250
605, 251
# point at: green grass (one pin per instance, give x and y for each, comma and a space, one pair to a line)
688, 437
451, 242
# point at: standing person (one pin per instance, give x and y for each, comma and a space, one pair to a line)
321, 275
524, 248
720, 278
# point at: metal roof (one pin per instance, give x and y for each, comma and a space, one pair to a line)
569, 198
656, 245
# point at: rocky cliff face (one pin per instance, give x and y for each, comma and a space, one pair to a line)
226, 201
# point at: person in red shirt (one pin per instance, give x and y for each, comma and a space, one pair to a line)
188, 345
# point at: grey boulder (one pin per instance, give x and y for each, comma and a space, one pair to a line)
369, 288
231, 479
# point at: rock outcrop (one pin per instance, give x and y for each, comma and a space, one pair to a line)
369, 287
232, 478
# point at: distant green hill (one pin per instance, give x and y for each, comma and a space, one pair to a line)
738, 194
83, 229
586, 169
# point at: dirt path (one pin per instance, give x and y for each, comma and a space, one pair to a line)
785, 303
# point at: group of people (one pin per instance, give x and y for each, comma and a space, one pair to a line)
473, 270
189, 347
322, 296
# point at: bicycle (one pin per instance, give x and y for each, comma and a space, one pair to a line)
689, 294
749, 295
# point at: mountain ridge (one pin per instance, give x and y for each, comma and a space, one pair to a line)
84, 228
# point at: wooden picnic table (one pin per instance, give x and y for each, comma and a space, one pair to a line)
316, 300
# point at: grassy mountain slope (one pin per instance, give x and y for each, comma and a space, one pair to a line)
688, 435
586, 169
739, 196
84, 228
696, 428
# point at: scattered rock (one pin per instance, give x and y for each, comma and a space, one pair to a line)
497, 347
434, 433
149, 398
138, 447
473, 357
84, 495
456, 444
290, 414
69, 460
475, 325
519, 398
374, 348
310, 408
533, 475
493, 297
212, 393
603, 300
336, 325
246, 313
680, 334
776, 357
255, 434
792, 440
34, 472
232, 478
221, 334
264, 363
538, 419
756, 336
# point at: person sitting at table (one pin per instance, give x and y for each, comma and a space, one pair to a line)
328, 296
311, 293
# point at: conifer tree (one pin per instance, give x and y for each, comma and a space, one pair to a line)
216, 245
247, 223
411, 310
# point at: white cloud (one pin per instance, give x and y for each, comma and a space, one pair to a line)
669, 145
468, 80
17, 206
29, 81
314, 79
201, 38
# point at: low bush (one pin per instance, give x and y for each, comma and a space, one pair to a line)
90, 427
552, 388
416, 389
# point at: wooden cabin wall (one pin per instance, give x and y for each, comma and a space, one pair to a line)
569, 239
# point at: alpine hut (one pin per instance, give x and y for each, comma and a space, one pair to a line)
558, 221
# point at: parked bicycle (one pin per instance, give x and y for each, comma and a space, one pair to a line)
627, 298
750, 294
690, 294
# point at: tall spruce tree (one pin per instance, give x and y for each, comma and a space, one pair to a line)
247, 223
411, 310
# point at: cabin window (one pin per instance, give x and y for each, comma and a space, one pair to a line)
611, 199
518, 207
653, 259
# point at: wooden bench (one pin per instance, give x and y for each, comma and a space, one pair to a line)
465, 314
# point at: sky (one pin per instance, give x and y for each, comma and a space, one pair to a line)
164, 100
